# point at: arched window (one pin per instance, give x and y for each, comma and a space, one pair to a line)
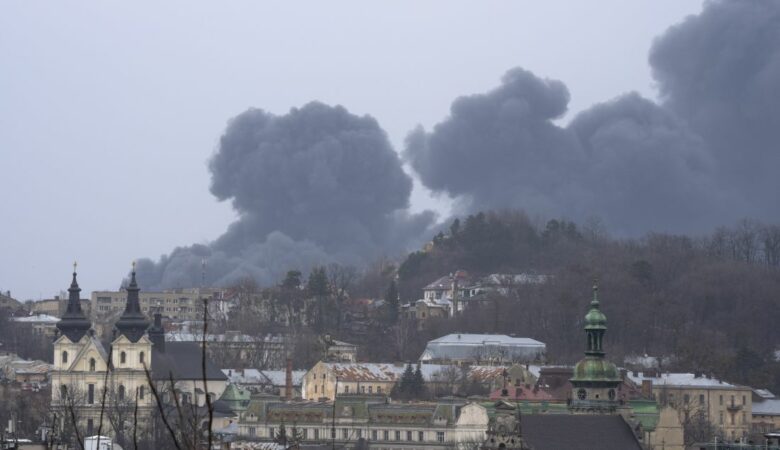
64, 357
63, 391
142, 357
91, 364
122, 358
121, 392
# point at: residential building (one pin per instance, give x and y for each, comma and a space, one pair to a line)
272, 382
176, 304
40, 324
56, 306
727, 406
766, 412
461, 348
336, 350
347, 420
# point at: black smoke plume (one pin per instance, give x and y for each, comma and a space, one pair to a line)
316, 185
708, 154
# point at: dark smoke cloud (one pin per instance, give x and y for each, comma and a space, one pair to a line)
720, 71
707, 154
316, 185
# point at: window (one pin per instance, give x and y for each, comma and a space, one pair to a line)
315, 388
142, 357
374, 436
371, 389
439, 436
386, 435
744, 400
720, 417
701, 399
397, 435
91, 364
121, 392
90, 426
379, 389
91, 394
333, 433
271, 432
720, 401
306, 433
408, 435
359, 433
63, 391
141, 392
316, 434
64, 357
122, 358
744, 417
252, 431
362, 389
345, 433
420, 436
346, 389
686, 399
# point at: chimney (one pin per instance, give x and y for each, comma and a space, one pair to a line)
157, 334
647, 388
288, 381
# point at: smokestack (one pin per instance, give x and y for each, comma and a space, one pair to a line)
288, 381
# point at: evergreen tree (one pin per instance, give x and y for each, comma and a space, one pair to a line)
392, 302
281, 435
317, 286
292, 280
418, 388
404, 388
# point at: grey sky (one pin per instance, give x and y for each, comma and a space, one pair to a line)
109, 110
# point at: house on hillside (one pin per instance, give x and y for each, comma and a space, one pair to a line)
462, 348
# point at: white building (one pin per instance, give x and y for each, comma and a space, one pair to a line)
483, 348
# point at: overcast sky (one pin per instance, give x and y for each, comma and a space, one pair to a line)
109, 111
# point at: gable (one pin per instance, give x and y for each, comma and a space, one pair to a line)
91, 348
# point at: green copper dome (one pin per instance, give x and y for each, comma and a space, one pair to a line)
593, 368
595, 319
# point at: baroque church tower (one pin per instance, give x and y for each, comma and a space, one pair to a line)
83, 369
596, 380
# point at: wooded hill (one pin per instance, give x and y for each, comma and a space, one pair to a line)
712, 302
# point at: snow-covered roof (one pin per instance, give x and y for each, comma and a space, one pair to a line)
255, 376
682, 379
379, 371
37, 318
500, 279
279, 377
177, 336
482, 347
769, 407
764, 393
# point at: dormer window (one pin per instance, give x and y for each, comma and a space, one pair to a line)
142, 357
91, 364
122, 358
64, 357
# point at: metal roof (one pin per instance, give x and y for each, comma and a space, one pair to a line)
683, 379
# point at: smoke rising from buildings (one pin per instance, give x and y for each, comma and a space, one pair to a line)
320, 184
706, 155
313, 186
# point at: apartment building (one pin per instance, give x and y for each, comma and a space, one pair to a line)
727, 406
176, 304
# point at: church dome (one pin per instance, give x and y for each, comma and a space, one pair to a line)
592, 368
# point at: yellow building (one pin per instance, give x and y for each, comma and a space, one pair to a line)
727, 406
90, 382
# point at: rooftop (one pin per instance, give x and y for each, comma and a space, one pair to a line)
485, 339
37, 318
769, 407
683, 379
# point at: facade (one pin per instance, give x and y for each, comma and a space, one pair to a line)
727, 406
56, 306
176, 304
91, 381
483, 348
766, 416
40, 324
444, 425
272, 382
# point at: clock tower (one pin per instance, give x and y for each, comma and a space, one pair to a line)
596, 380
